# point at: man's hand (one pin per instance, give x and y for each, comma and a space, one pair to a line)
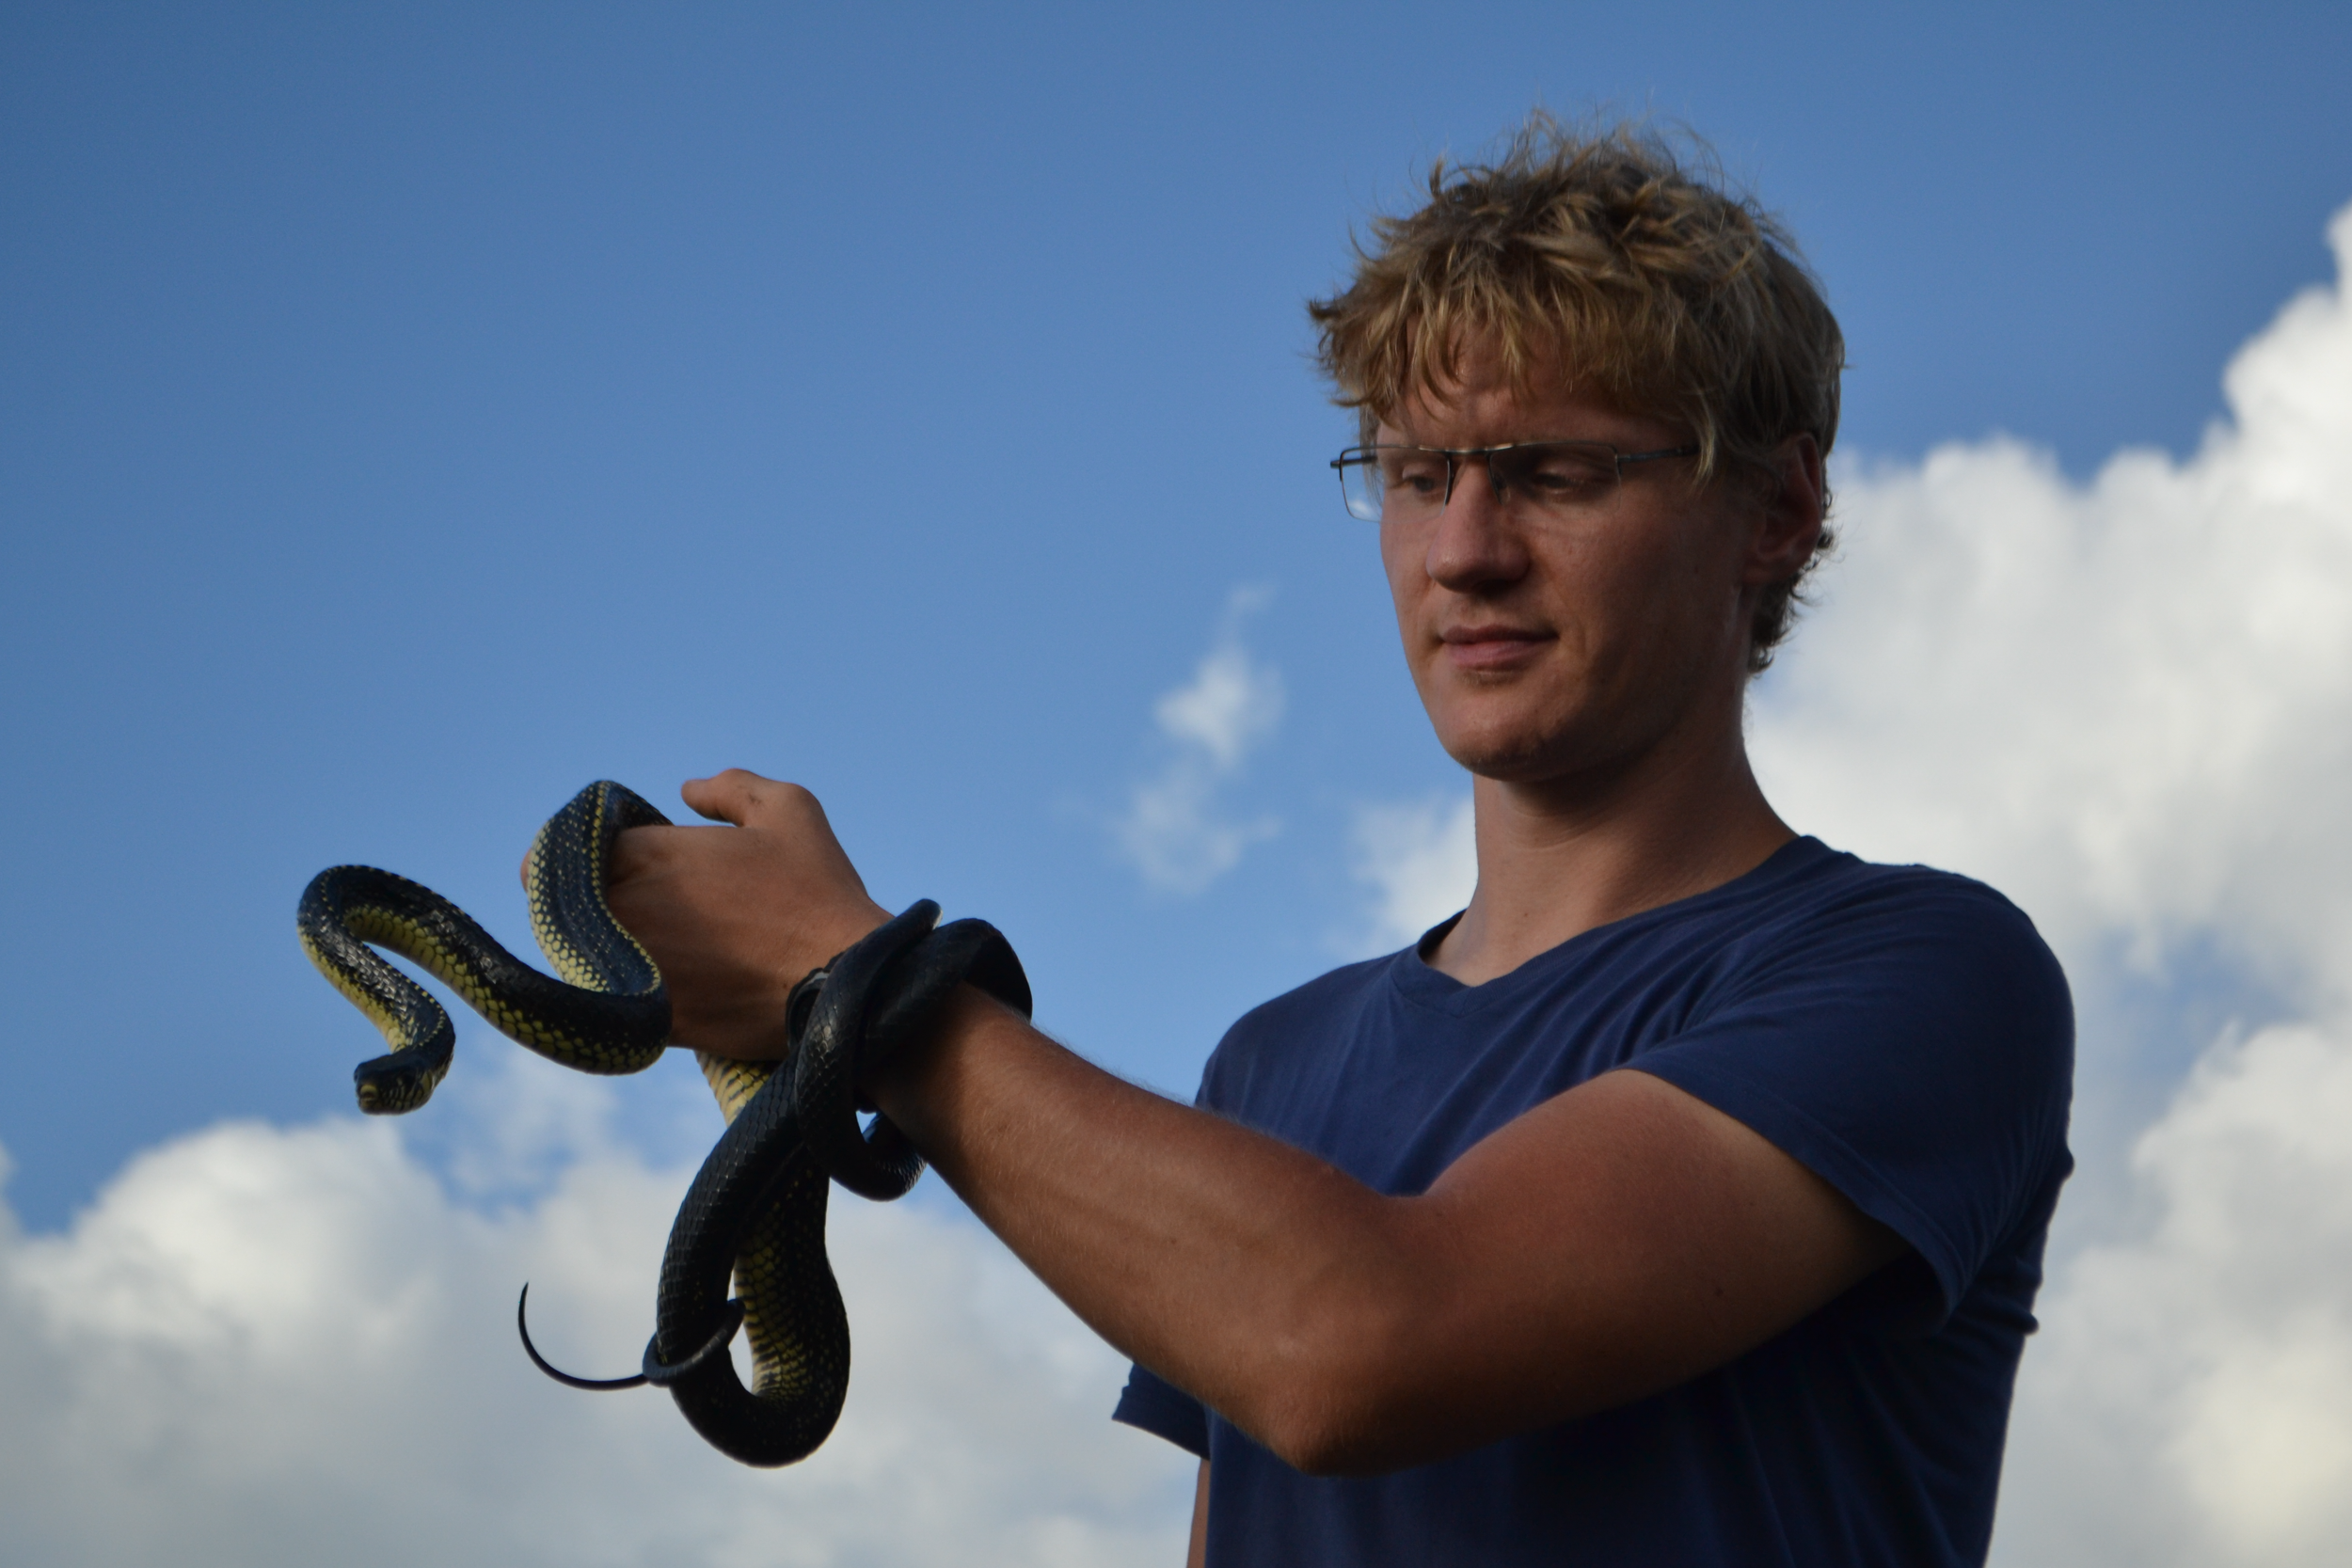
734, 915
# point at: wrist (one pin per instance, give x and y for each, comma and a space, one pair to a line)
827, 934
909, 1085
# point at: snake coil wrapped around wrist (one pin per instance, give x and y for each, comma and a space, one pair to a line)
756, 1211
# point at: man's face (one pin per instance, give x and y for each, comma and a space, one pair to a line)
1549, 647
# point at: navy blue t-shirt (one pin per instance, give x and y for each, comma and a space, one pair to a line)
1904, 1033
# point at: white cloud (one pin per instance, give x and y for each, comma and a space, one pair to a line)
1421, 862
268, 1345
1230, 705
1175, 830
2190, 1401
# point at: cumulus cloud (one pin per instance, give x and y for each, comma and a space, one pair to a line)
266, 1345
1421, 862
1175, 830
2190, 1401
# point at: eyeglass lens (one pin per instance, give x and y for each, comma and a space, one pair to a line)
1412, 483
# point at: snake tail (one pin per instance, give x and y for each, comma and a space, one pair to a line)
756, 1211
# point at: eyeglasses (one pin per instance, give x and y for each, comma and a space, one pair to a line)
1412, 484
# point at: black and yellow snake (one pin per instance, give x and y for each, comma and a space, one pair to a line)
756, 1211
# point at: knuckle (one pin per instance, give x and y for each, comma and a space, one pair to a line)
636, 847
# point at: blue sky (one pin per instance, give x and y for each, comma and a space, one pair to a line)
409, 417
405, 419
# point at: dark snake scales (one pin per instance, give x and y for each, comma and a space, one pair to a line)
756, 1211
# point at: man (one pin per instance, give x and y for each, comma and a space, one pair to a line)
1682, 1200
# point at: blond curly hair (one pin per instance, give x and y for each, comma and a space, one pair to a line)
1604, 251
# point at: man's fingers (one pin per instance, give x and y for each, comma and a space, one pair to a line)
743, 797
636, 851
722, 797
735, 796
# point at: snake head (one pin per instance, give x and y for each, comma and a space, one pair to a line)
395, 1085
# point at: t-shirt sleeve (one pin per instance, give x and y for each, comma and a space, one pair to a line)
1152, 1404
1914, 1046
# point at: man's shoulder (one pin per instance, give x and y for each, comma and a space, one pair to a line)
1805, 869
1844, 934
1822, 892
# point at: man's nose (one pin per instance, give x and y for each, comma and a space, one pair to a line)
1476, 544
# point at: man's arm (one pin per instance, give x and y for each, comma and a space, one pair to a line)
1611, 1243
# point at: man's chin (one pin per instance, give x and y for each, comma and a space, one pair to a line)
1519, 756
1505, 759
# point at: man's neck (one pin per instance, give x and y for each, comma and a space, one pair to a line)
1562, 858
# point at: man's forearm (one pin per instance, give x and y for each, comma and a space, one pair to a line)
1245, 1271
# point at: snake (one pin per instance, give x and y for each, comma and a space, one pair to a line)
754, 1212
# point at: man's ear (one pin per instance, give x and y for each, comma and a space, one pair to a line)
1789, 524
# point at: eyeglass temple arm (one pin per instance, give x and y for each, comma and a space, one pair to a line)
1623, 458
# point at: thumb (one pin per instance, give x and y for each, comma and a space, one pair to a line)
739, 796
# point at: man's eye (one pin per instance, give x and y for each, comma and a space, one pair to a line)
1566, 475
1418, 477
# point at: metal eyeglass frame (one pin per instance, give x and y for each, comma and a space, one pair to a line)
1365, 456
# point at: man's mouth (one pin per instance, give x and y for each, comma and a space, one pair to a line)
1492, 646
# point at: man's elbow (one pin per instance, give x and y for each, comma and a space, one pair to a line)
1344, 1402
1348, 1437
1335, 1449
